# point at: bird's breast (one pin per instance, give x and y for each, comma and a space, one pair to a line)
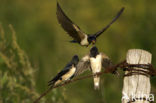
69, 74
96, 63
84, 41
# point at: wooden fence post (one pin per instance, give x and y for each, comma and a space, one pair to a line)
136, 86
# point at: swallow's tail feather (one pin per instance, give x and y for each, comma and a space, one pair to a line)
96, 82
51, 83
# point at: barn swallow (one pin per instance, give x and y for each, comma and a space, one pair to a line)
94, 61
66, 74
76, 33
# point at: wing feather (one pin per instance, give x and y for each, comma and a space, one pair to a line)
106, 27
83, 65
72, 29
59, 75
106, 61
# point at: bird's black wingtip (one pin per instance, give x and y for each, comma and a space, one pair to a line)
122, 9
58, 5
119, 13
57, 2
59, 10
108, 25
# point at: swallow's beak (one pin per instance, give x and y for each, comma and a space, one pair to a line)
93, 41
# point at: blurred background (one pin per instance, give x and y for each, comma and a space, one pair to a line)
45, 48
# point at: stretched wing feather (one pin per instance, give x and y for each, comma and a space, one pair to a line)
114, 19
72, 29
83, 65
106, 62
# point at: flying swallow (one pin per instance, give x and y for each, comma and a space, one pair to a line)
76, 33
94, 61
66, 74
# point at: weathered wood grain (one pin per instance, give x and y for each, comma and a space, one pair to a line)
136, 85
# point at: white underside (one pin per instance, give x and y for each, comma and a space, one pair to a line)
84, 41
96, 67
69, 74
96, 63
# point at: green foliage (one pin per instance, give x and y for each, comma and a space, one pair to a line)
16, 72
17, 83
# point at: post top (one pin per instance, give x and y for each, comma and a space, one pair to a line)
138, 56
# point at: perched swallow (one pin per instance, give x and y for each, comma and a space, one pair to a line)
75, 32
66, 74
94, 61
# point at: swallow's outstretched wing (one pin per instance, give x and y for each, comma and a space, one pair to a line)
83, 65
106, 62
97, 34
72, 29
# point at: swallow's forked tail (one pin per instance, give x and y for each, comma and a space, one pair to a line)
96, 82
51, 83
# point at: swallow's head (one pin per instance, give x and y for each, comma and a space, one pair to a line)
94, 51
75, 60
92, 39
